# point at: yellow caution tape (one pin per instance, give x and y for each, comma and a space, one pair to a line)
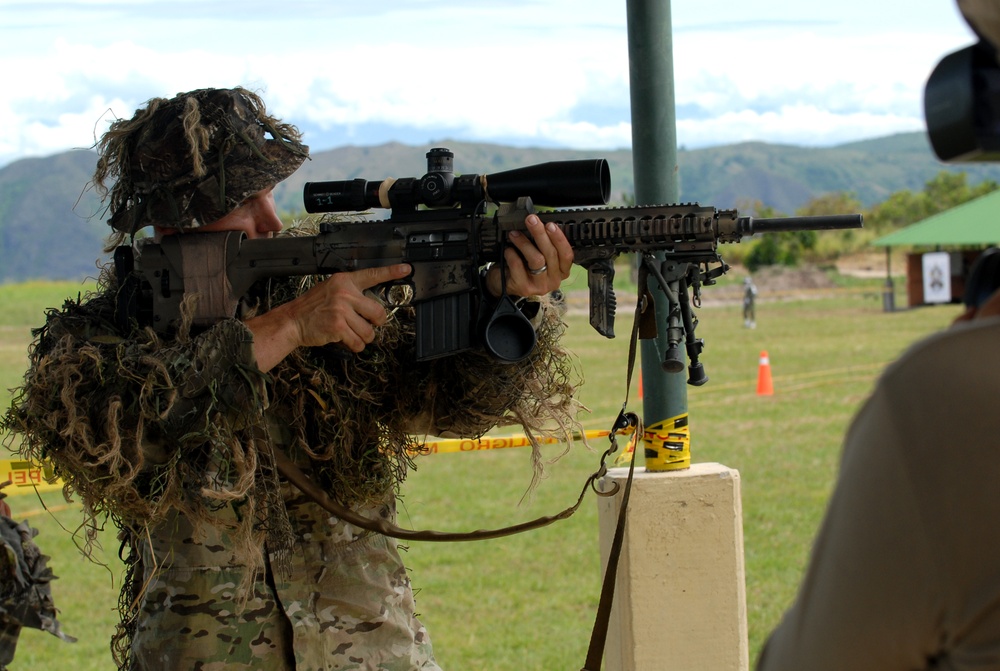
452, 445
27, 477
668, 444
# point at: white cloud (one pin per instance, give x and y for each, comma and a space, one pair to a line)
585, 135
793, 124
805, 87
545, 71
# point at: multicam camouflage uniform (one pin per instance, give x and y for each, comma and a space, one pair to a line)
344, 603
230, 567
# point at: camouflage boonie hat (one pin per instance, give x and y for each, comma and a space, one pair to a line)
188, 161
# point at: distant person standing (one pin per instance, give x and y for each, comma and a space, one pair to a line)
749, 300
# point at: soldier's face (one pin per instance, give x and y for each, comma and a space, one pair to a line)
256, 216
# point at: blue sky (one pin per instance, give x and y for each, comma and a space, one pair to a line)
548, 73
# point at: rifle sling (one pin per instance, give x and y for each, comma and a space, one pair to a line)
598, 637
298, 478
602, 621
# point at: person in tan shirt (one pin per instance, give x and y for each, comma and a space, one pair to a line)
905, 571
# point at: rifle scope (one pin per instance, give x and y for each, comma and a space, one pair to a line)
553, 184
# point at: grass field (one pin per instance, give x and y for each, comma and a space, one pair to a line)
528, 602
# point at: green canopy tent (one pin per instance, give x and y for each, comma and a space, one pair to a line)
974, 224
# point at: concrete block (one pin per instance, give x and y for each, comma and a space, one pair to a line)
680, 596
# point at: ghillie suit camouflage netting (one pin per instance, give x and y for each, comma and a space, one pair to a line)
25, 586
138, 426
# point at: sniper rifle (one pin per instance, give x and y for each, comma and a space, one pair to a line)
448, 228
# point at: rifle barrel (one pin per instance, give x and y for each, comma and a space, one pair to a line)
750, 225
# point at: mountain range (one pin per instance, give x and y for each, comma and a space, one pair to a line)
52, 225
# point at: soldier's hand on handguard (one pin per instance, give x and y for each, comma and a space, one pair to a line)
536, 264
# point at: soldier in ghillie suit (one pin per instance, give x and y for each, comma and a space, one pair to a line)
25, 584
229, 565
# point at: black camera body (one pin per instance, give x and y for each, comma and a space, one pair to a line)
962, 110
962, 105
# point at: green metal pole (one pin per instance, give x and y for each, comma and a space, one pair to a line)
654, 160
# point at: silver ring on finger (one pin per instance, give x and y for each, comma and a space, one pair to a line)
538, 271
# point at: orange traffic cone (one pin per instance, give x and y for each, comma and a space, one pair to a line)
640, 384
764, 385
